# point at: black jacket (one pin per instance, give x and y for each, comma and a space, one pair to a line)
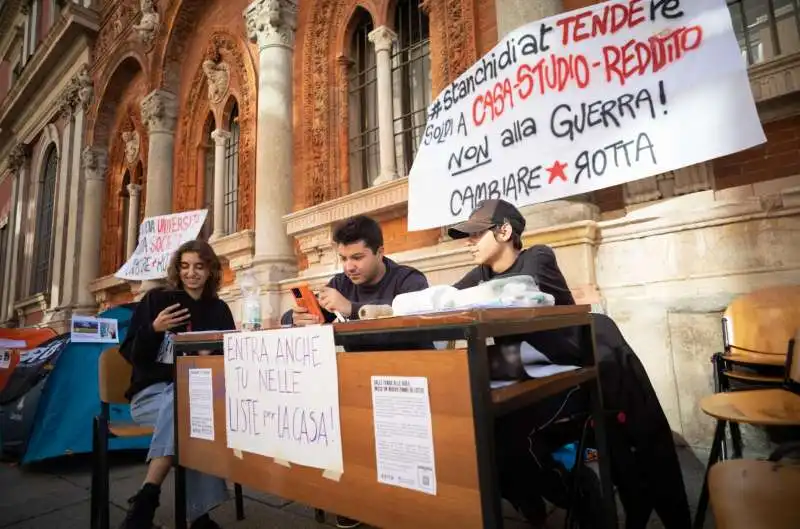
142, 343
644, 461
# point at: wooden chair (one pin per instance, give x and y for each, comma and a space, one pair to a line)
114, 374
755, 329
747, 494
759, 407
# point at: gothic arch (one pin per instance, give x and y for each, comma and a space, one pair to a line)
345, 26
112, 84
178, 23
193, 111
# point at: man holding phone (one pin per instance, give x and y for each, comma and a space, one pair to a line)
368, 278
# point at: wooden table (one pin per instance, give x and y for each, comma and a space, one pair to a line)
461, 400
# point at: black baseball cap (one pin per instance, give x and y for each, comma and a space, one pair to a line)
489, 214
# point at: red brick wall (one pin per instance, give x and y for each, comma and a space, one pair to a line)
778, 158
485, 25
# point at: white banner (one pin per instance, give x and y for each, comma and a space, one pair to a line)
582, 101
282, 391
159, 237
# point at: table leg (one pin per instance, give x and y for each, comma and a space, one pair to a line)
180, 472
601, 435
483, 417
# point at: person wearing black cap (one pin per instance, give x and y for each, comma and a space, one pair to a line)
493, 234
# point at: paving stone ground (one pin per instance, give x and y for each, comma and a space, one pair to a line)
55, 495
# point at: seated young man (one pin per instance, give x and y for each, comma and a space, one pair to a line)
368, 278
493, 234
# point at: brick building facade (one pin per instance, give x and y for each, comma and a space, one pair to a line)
284, 117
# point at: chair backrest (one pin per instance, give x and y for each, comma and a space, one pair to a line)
793, 367
114, 376
763, 321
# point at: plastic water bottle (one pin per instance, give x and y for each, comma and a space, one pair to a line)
251, 302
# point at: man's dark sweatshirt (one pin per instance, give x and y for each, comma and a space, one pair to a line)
142, 343
539, 262
398, 279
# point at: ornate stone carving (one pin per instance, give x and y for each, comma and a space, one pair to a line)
131, 140
271, 22
134, 190
94, 163
160, 111
148, 25
383, 38
16, 158
218, 77
85, 86
193, 111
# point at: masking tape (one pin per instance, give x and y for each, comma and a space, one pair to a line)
333, 475
238, 453
283, 463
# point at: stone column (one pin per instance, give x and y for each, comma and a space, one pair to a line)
383, 38
159, 112
271, 24
220, 138
134, 191
85, 91
94, 171
18, 161
62, 204
7, 295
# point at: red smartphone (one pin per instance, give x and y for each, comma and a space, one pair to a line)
304, 297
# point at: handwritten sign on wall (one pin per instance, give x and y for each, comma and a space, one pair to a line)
584, 100
159, 237
282, 390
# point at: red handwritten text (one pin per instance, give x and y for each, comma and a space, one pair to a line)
638, 58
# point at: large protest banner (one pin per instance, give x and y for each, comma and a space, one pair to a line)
282, 392
585, 100
159, 237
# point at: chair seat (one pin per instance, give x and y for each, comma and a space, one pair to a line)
761, 407
753, 378
128, 429
756, 359
748, 494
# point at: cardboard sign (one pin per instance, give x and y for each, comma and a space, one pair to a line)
159, 237
585, 100
282, 391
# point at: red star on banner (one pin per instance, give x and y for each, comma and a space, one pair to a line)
557, 171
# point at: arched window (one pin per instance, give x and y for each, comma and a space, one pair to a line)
411, 80
124, 209
231, 197
43, 240
208, 177
362, 105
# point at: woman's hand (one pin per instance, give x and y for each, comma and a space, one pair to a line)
170, 318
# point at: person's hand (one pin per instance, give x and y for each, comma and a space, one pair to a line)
332, 300
301, 317
171, 317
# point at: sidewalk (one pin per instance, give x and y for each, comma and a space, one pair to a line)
55, 495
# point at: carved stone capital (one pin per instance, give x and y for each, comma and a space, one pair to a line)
220, 137
383, 38
160, 111
16, 157
94, 162
271, 23
134, 190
